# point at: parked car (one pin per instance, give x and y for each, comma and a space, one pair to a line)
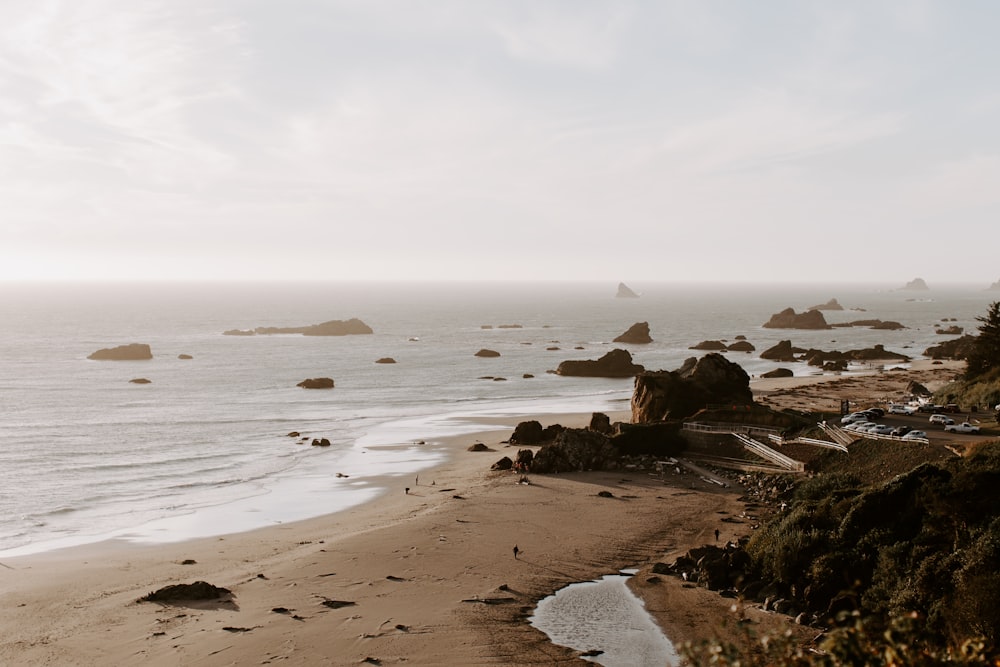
875, 412
901, 430
930, 407
896, 409
882, 429
859, 427
854, 417
941, 419
964, 427
915, 435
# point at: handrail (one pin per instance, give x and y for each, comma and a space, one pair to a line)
766, 452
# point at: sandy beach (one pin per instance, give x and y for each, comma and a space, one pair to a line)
429, 575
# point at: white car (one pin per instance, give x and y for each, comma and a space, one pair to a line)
860, 427
964, 427
941, 419
915, 435
854, 417
882, 429
896, 409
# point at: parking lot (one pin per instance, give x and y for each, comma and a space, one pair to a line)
937, 434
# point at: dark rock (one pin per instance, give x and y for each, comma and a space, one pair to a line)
503, 464
957, 348
551, 432
487, 353
615, 364
199, 590
510, 326
130, 352
478, 447
663, 395
917, 284
320, 442
485, 326
140, 380
917, 389
527, 376
655, 439
576, 450
778, 373
950, 331
239, 332
316, 383
783, 351
338, 604
832, 304
714, 345
385, 360
605, 494
600, 422
741, 346
625, 293
789, 319
637, 334
527, 433
184, 356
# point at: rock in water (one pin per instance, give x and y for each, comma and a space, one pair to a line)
316, 383
637, 334
130, 352
488, 354
789, 319
625, 293
615, 364
917, 284
832, 304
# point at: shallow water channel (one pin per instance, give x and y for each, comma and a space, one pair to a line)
605, 616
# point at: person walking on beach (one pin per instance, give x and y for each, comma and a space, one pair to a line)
716, 534
516, 551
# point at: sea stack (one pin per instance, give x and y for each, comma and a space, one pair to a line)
637, 334
916, 285
625, 293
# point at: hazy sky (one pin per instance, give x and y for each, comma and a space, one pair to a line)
516, 139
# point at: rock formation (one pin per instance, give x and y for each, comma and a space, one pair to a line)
957, 348
778, 373
350, 327
953, 330
662, 395
712, 345
600, 422
489, 354
184, 356
385, 360
527, 433
888, 325
832, 304
615, 364
789, 319
316, 383
741, 346
576, 449
199, 590
917, 284
783, 351
625, 293
838, 360
140, 381
130, 352
637, 334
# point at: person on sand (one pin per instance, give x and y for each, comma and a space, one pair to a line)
516, 551
407, 490
716, 534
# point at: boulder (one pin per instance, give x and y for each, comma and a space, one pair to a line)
488, 354
478, 447
130, 352
316, 383
140, 381
832, 304
778, 373
550, 432
615, 364
711, 345
385, 360
783, 351
663, 395
916, 389
741, 346
575, 450
184, 356
600, 422
625, 293
637, 334
789, 319
953, 330
320, 442
199, 590
527, 433
503, 464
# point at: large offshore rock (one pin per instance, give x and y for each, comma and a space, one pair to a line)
789, 319
130, 352
615, 364
663, 395
625, 293
637, 334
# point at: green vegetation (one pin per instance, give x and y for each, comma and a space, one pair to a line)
985, 354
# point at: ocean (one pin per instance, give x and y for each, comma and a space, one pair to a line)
203, 449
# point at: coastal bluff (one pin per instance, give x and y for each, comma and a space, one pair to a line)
130, 352
351, 327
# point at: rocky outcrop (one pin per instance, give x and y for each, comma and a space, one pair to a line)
789, 319
600, 422
637, 334
832, 304
350, 327
503, 464
741, 346
130, 352
709, 345
615, 364
316, 383
957, 348
385, 360
839, 360
657, 439
663, 395
527, 433
995, 287
625, 293
914, 388
916, 285
487, 354
953, 330
199, 590
576, 449
778, 373
888, 325
783, 351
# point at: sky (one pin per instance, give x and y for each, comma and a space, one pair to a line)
531, 140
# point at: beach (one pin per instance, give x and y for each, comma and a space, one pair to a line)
420, 576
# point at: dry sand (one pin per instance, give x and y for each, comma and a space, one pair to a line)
421, 570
